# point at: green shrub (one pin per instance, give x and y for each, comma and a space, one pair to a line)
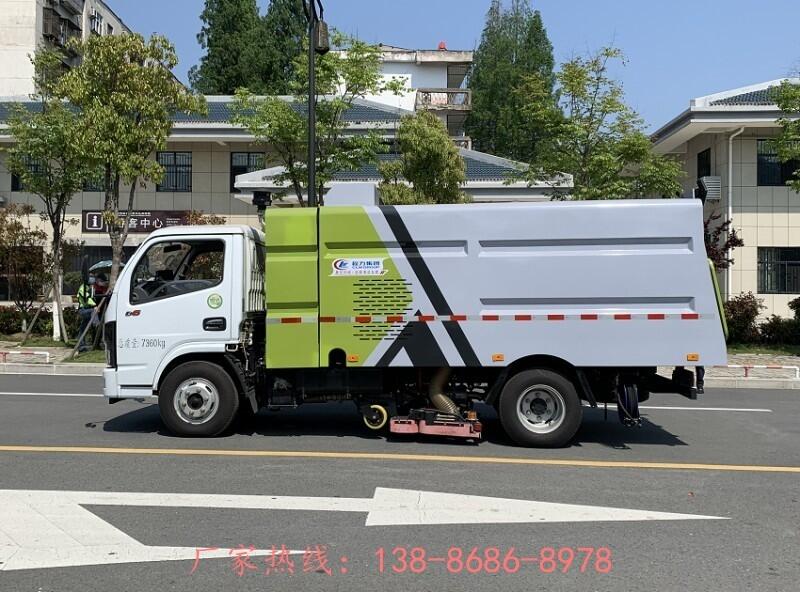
44, 326
741, 312
795, 306
779, 331
10, 320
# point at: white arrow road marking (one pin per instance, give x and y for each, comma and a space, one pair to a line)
43, 529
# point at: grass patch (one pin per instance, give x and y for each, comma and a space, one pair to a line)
775, 350
35, 341
97, 356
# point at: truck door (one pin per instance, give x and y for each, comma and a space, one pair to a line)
178, 294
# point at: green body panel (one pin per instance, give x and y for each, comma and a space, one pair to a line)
291, 287
348, 232
718, 296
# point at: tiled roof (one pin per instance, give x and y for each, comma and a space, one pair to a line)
219, 111
479, 167
762, 97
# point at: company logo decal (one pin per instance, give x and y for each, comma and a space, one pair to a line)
214, 301
360, 266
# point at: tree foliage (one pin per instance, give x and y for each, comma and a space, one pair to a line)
246, 50
787, 97
126, 95
283, 30
343, 77
430, 168
718, 250
594, 136
48, 160
514, 45
22, 256
232, 37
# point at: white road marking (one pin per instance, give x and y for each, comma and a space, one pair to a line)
45, 529
9, 394
705, 409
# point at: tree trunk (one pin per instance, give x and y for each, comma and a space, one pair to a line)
56, 292
112, 215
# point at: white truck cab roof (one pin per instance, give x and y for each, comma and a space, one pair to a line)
207, 229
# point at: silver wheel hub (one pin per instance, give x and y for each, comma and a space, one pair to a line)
196, 401
540, 409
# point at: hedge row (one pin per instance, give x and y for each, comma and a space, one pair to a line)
742, 313
12, 319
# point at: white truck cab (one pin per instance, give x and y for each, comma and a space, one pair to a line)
183, 294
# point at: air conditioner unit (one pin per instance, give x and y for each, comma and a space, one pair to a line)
712, 187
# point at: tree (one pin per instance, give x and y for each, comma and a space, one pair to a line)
126, 94
787, 97
343, 77
283, 30
429, 163
594, 136
717, 249
231, 36
514, 45
199, 218
22, 257
49, 163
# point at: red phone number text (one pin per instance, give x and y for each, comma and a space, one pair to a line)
493, 560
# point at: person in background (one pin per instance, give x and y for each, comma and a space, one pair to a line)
86, 306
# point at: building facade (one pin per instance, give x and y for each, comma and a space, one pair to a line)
26, 25
725, 137
435, 81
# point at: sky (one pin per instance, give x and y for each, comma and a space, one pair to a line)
676, 49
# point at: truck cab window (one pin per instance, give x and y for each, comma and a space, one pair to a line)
179, 267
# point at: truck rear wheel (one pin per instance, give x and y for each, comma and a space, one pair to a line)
540, 408
198, 399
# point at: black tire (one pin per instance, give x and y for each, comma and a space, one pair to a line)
556, 390
209, 378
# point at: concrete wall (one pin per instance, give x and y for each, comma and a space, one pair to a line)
763, 216
20, 28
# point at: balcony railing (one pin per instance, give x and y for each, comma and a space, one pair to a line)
449, 99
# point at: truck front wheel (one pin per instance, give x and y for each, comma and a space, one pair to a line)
540, 408
198, 399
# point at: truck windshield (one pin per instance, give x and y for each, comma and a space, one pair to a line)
177, 267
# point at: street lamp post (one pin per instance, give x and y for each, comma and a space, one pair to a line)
317, 44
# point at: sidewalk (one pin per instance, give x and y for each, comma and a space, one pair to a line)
21, 361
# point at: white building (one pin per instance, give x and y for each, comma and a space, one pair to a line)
26, 25
435, 79
726, 136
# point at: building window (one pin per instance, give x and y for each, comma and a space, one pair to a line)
96, 22
16, 181
779, 270
244, 162
177, 171
95, 184
109, 29
771, 171
704, 163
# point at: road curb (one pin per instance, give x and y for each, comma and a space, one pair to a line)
53, 369
752, 383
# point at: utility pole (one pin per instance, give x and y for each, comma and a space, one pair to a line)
317, 44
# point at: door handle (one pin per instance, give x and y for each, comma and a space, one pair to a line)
215, 324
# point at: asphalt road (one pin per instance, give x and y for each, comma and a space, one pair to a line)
738, 460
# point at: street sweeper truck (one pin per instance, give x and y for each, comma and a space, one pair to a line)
416, 314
